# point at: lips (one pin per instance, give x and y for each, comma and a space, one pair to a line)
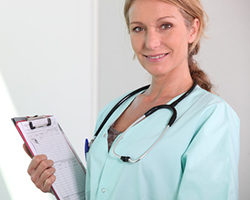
156, 56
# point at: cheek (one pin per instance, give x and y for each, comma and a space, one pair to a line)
176, 41
136, 43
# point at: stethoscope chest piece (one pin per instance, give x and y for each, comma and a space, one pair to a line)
148, 113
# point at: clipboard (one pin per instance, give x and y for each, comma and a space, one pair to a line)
43, 135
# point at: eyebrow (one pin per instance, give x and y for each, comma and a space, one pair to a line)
161, 18
166, 17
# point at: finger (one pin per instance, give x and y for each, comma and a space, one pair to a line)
27, 150
42, 167
48, 183
45, 182
35, 162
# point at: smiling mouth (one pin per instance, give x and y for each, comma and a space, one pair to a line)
156, 56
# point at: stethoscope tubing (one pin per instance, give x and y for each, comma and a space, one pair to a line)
149, 112
117, 105
127, 158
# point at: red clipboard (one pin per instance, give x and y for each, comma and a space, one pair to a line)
43, 135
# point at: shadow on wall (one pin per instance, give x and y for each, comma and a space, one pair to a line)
4, 193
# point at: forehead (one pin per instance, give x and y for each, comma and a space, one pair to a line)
152, 9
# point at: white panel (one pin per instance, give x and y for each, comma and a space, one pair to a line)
15, 182
46, 60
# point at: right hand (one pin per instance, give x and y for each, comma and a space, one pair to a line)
41, 171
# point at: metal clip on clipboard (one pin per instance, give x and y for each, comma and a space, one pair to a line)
36, 117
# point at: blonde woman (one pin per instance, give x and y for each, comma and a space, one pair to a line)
196, 158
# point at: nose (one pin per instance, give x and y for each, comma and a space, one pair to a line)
152, 40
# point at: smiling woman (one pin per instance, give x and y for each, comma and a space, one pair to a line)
197, 157
161, 41
192, 18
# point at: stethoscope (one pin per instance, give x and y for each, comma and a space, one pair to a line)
149, 112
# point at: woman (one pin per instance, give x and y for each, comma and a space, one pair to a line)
197, 157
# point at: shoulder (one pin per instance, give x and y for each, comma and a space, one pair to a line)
213, 106
208, 98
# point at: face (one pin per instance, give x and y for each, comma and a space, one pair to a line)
160, 37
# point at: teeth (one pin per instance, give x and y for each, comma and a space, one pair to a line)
156, 57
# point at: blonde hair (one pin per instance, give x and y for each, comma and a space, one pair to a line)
190, 10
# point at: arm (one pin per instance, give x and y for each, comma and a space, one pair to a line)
210, 163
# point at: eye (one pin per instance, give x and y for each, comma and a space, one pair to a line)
166, 26
137, 29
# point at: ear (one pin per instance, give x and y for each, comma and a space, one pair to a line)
193, 31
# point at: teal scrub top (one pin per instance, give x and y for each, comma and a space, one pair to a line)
196, 159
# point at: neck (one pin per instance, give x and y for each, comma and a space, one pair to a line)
163, 88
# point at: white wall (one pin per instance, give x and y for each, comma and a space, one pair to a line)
224, 56
47, 66
118, 72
